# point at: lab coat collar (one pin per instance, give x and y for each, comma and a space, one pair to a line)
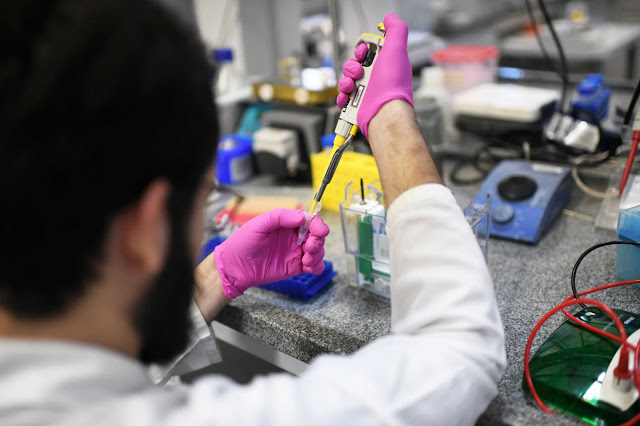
33, 373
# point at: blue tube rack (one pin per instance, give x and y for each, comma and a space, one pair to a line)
303, 286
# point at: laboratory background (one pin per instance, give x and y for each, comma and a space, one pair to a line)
529, 109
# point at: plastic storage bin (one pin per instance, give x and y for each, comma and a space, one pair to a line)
628, 256
466, 66
365, 235
233, 160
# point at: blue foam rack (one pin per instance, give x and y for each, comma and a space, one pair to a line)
210, 245
303, 286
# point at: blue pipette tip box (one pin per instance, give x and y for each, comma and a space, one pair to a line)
628, 256
303, 286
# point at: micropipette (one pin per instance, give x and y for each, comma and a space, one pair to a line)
347, 126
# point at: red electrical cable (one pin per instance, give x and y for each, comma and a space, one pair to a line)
592, 328
527, 352
636, 349
636, 380
630, 158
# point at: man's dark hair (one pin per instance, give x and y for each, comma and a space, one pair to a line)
97, 99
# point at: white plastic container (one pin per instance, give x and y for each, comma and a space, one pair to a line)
466, 66
228, 77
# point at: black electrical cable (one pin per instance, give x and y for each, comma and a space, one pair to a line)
629, 113
583, 255
461, 165
563, 59
632, 105
477, 161
496, 150
534, 25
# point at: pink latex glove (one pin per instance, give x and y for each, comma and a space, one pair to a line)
391, 77
265, 250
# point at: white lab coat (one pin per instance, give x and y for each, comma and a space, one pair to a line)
439, 366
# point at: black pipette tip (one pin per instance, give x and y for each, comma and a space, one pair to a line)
361, 191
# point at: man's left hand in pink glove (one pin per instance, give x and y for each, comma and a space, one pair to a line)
265, 250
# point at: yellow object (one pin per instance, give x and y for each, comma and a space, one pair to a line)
578, 16
337, 143
314, 206
254, 205
273, 91
372, 35
352, 167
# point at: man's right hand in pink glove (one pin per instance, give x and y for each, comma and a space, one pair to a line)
391, 77
265, 250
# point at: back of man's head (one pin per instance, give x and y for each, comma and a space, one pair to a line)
97, 99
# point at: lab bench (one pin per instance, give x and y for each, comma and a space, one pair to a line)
529, 280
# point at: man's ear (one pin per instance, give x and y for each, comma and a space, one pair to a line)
145, 226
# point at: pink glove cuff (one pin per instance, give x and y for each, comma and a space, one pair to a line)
372, 109
229, 289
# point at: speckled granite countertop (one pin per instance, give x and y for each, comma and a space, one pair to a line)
340, 319
529, 280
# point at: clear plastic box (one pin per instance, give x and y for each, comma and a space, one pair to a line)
478, 215
612, 205
466, 66
365, 236
628, 256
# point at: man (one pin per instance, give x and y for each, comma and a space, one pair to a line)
108, 131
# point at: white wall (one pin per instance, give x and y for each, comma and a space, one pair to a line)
209, 14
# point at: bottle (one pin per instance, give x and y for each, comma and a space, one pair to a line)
593, 96
327, 141
433, 107
227, 76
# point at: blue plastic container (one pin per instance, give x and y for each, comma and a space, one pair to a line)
233, 160
303, 286
591, 95
327, 140
628, 256
222, 54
